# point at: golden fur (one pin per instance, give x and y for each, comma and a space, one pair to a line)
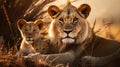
32, 41
69, 25
68, 32
71, 36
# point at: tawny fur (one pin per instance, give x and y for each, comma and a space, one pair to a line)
72, 38
32, 41
67, 32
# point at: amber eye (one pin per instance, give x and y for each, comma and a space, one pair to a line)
61, 20
75, 20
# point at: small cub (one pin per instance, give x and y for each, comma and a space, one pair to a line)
32, 41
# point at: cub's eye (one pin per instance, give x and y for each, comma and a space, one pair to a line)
61, 20
75, 20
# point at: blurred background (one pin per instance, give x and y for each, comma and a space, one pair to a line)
105, 12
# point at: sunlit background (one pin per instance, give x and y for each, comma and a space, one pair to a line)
105, 12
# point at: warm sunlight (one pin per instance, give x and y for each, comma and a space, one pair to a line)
59, 33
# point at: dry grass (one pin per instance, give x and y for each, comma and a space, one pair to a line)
14, 59
11, 58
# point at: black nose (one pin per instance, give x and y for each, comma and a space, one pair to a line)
67, 31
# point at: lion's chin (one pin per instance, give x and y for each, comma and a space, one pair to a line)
68, 40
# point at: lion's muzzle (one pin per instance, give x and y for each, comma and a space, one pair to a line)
68, 38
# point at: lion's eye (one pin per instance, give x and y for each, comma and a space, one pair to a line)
61, 20
75, 20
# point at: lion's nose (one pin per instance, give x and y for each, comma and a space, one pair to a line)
67, 28
67, 31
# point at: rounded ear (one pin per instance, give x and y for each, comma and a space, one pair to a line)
84, 9
39, 23
20, 23
53, 11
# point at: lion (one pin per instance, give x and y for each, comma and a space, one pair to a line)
32, 41
71, 37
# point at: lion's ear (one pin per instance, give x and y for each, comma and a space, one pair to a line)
39, 23
21, 23
84, 9
53, 11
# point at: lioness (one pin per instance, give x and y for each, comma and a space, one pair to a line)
72, 38
32, 41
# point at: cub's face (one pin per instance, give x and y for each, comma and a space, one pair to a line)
29, 30
68, 23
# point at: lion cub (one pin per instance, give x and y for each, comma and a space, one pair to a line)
32, 41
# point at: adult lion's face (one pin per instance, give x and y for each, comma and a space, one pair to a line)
29, 30
69, 24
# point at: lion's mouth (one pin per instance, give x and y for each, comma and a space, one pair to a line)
68, 39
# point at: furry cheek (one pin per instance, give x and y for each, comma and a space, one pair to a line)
63, 35
74, 33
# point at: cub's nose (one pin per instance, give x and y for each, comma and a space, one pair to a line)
29, 34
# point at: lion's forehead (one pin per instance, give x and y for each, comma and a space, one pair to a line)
69, 13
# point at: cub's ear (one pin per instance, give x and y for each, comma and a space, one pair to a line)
85, 10
53, 11
21, 23
39, 23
